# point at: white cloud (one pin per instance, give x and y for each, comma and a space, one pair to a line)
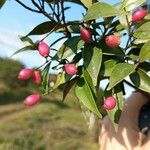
10, 42
9, 39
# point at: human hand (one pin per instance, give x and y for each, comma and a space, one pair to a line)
128, 136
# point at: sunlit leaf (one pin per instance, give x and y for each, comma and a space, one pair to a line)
141, 80
120, 72
132, 4
143, 32
145, 52
92, 57
84, 94
100, 9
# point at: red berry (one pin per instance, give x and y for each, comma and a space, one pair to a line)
36, 77
71, 69
25, 74
43, 49
32, 99
112, 41
109, 103
139, 15
86, 35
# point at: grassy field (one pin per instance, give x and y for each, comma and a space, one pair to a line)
51, 125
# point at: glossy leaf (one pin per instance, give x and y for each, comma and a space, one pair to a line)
140, 41
84, 94
123, 18
69, 47
92, 57
117, 52
145, 52
119, 73
100, 9
44, 27
2, 2
141, 80
131, 4
88, 3
88, 78
108, 67
115, 113
26, 40
143, 32
27, 48
68, 87
62, 78
144, 66
45, 79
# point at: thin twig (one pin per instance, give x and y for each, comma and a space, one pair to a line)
57, 41
26, 7
63, 19
42, 11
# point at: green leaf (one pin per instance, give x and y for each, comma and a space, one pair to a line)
92, 57
89, 80
145, 52
117, 52
141, 80
26, 40
115, 113
2, 2
45, 79
68, 87
44, 27
120, 72
123, 18
100, 9
108, 67
84, 94
69, 47
143, 32
144, 66
132, 4
88, 3
62, 78
27, 48
140, 41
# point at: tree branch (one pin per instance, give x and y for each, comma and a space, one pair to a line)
26, 7
42, 11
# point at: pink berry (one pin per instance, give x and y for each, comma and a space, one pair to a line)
112, 41
36, 77
71, 69
25, 74
43, 49
86, 35
139, 15
32, 99
109, 103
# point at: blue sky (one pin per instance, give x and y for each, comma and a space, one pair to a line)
15, 21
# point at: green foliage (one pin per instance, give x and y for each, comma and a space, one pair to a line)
85, 95
98, 10
2, 2
96, 61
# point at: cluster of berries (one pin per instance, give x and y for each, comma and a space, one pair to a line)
113, 41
